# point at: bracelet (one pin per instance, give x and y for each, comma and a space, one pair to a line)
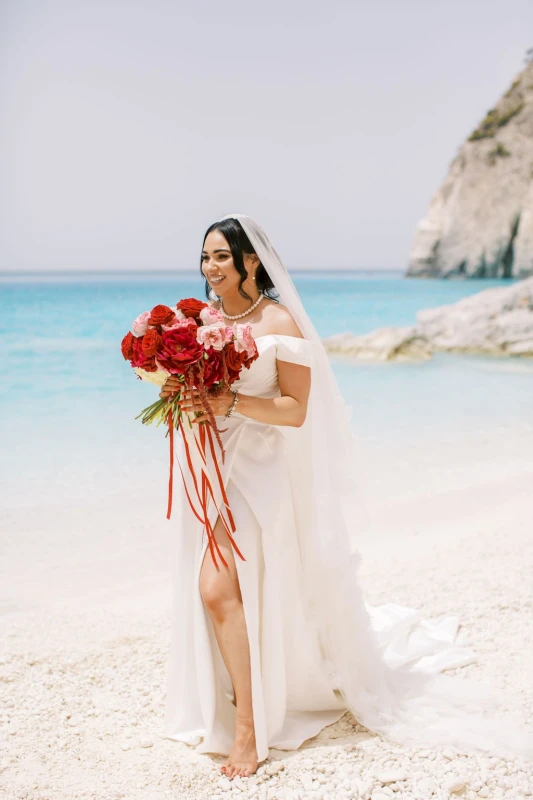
232, 406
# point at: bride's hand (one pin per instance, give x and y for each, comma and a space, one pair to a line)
220, 405
171, 386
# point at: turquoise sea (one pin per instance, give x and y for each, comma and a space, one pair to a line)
68, 399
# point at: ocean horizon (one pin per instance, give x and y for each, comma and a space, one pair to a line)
81, 275
68, 400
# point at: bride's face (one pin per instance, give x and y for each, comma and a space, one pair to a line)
219, 269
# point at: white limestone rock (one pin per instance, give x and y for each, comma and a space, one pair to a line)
274, 767
426, 786
497, 321
383, 344
455, 784
392, 776
480, 221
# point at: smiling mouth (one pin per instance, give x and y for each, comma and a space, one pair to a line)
216, 281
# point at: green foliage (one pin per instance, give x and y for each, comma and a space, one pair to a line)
515, 84
500, 151
494, 121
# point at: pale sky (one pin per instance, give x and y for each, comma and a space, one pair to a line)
128, 127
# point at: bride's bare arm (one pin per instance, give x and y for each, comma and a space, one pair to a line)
290, 408
294, 384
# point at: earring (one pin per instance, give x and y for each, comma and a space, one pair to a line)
253, 278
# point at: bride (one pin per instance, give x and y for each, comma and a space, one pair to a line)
281, 643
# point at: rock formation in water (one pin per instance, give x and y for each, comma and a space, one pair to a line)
480, 222
496, 321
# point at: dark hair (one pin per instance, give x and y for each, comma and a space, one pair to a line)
239, 243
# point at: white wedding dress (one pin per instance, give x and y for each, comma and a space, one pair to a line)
317, 649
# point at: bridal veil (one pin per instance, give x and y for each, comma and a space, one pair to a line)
412, 707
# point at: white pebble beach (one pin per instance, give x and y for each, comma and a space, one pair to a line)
86, 601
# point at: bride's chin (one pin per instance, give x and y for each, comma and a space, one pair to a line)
225, 292
218, 288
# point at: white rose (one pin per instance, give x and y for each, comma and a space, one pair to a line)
158, 377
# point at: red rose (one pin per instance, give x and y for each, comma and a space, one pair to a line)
138, 356
179, 349
161, 315
234, 359
127, 346
234, 362
213, 367
149, 364
151, 342
191, 307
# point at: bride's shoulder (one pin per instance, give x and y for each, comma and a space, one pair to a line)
280, 320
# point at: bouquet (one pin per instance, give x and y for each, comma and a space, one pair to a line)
192, 341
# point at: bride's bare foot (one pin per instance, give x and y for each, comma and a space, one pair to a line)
243, 757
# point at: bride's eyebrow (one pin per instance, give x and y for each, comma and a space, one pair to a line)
220, 250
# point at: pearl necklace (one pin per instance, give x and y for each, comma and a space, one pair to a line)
245, 313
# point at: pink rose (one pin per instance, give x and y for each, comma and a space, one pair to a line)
180, 320
140, 325
210, 316
214, 336
244, 339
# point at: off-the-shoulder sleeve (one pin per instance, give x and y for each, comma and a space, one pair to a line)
293, 349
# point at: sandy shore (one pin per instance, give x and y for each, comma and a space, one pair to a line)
86, 602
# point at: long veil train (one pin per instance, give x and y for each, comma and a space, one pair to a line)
368, 649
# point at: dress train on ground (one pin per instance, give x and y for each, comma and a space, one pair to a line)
316, 648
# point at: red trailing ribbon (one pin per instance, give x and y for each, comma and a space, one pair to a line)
203, 489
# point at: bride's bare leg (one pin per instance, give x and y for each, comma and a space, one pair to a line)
222, 598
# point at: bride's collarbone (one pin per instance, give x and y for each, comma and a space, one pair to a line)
260, 331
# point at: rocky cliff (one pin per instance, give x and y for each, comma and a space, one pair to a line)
480, 222
497, 321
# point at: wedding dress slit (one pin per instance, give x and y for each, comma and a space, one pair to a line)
291, 697
316, 648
